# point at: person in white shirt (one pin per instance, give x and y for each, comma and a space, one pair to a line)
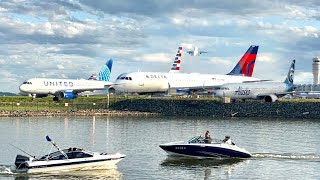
227, 140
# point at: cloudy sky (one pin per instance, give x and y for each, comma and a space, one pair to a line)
74, 38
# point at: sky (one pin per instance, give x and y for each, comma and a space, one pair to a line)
74, 38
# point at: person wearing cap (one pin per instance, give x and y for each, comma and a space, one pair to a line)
227, 140
207, 137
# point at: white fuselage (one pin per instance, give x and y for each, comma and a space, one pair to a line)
149, 82
52, 86
251, 90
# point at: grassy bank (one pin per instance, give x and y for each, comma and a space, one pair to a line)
25, 103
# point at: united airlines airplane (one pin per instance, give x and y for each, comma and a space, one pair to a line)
67, 88
269, 91
160, 82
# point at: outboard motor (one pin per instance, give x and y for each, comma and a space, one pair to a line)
21, 161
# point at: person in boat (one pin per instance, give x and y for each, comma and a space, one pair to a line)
227, 140
207, 137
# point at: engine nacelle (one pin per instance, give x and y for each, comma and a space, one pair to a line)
41, 95
270, 98
112, 90
68, 95
183, 91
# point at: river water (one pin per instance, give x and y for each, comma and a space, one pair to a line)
282, 148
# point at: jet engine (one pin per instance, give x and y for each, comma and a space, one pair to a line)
270, 98
66, 95
69, 95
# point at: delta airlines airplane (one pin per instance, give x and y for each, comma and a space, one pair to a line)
160, 82
269, 91
196, 52
67, 88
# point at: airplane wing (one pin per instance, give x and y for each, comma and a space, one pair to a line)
262, 80
190, 52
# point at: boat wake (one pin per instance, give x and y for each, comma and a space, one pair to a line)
313, 157
5, 169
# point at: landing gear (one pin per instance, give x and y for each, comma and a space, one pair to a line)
33, 96
55, 98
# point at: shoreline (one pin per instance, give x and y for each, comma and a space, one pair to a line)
88, 112
202, 108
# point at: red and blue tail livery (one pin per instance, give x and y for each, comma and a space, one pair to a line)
245, 65
176, 62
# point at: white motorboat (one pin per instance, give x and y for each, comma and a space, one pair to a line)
65, 160
198, 147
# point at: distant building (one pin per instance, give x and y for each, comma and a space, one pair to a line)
316, 70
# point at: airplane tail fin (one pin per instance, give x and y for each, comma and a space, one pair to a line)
176, 62
245, 65
104, 74
290, 76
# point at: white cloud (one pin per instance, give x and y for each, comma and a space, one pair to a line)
155, 57
221, 61
303, 78
265, 57
60, 66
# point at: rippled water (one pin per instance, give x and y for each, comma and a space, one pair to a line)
282, 148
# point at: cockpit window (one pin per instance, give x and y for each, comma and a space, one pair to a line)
121, 76
126, 78
130, 78
26, 82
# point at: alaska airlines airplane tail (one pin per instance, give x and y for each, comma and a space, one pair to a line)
290, 76
176, 62
245, 65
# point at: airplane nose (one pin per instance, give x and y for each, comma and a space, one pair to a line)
23, 88
118, 86
218, 93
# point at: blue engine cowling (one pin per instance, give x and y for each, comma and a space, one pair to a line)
69, 95
183, 91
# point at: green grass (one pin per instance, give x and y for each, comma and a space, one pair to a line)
25, 103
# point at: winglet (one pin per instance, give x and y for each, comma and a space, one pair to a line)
245, 65
176, 62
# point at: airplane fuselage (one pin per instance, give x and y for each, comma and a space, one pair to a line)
251, 90
52, 86
148, 82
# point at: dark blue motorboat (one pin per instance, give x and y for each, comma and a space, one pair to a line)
198, 147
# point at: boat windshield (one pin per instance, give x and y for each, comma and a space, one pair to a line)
196, 139
71, 153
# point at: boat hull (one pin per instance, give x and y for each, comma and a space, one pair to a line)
206, 150
69, 165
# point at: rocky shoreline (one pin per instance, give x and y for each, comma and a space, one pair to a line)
88, 112
301, 110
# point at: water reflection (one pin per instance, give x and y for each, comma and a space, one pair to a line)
227, 165
207, 162
73, 175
